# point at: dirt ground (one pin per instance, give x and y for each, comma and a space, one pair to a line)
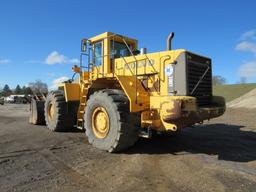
217, 156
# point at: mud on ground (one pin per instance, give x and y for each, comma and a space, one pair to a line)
217, 156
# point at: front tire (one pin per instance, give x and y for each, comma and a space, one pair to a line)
108, 123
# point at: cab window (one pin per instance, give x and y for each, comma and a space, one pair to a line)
119, 50
98, 54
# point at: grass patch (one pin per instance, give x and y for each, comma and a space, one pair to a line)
231, 92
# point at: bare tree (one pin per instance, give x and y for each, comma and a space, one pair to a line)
218, 80
38, 87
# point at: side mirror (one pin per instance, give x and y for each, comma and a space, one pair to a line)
83, 45
76, 69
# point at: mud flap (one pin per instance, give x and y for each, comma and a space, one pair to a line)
36, 116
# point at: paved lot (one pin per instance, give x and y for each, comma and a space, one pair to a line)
217, 156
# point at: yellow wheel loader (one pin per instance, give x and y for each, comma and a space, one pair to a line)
122, 93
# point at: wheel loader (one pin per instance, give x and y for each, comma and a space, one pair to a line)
121, 93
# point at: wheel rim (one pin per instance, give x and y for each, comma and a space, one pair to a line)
51, 111
100, 122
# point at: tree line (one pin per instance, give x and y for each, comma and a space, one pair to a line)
36, 87
219, 80
7, 91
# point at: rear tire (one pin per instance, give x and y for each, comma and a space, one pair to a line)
121, 130
56, 112
36, 116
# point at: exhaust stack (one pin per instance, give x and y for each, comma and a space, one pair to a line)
169, 41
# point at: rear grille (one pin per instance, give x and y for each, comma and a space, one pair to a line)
199, 67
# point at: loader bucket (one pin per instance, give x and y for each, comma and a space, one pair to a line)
37, 112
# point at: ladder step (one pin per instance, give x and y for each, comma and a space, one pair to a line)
86, 83
81, 111
83, 104
82, 99
79, 123
79, 127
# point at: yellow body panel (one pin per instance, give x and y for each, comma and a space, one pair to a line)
139, 100
152, 63
71, 90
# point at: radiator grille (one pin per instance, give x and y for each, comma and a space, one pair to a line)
199, 68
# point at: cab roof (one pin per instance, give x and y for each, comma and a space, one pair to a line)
110, 34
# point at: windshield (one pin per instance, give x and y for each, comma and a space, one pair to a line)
119, 50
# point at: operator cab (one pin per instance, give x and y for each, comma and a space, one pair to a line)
117, 50
105, 48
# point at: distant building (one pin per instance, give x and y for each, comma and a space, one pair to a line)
15, 99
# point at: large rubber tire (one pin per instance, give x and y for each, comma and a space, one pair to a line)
36, 116
124, 126
59, 120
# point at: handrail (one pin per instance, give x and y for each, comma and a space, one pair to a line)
127, 64
162, 67
136, 66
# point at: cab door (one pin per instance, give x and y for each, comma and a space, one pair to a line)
98, 60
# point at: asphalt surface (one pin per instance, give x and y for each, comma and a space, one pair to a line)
217, 156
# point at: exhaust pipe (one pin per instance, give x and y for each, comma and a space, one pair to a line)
169, 41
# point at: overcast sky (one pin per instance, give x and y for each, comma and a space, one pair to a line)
41, 39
